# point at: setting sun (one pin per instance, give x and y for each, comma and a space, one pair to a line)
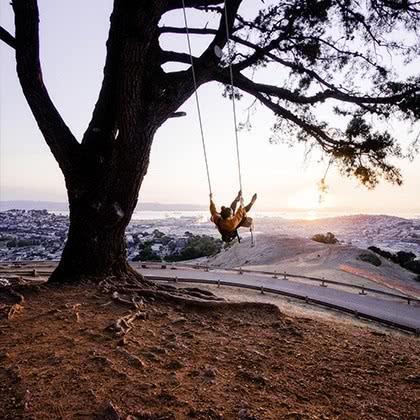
309, 199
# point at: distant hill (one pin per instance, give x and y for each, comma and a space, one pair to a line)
33, 205
51, 205
170, 207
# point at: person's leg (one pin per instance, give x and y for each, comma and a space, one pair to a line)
248, 207
246, 222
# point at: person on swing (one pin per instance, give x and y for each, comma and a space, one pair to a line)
229, 219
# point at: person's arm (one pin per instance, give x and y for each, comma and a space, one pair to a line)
213, 211
236, 201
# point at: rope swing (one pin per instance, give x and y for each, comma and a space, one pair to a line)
197, 101
218, 52
233, 98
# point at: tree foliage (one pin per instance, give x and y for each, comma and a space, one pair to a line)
339, 52
197, 246
328, 238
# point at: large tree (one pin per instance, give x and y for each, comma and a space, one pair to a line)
335, 52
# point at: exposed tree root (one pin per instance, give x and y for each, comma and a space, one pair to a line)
14, 302
124, 324
126, 275
134, 292
129, 288
134, 286
131, 285
179, 296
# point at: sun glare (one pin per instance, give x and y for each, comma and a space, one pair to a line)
307, 199
308, 203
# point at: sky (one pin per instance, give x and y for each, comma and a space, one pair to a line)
72, 57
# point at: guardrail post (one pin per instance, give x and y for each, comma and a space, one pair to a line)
362, 292
408, 301
34, 273
218, 282
240, 271
323, 282
176, 279
275, 275
306, 299
285, 276
356, 314
262, 290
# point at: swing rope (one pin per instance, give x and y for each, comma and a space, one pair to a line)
197, 101
233, 97
251, 229
233, 102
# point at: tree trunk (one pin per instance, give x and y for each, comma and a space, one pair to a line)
101, 203
95, 245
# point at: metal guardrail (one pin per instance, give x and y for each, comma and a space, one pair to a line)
27, 273
274, 274
307, 299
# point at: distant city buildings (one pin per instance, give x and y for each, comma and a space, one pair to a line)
31, 235
39, 235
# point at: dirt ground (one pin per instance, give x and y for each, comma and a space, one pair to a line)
246, 361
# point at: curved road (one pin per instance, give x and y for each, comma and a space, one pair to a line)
393, 312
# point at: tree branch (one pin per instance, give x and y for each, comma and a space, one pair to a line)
168, 56
102, 127
244, 83
253, 59
180, 83
177, 4
263, 52
183, 30
7, 38
221, 39
178, 114
59, 138
324, 140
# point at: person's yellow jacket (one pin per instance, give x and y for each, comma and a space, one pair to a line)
226, 225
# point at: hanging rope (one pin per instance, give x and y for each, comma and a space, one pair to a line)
322, 185
196, 96
233, 98
198, 101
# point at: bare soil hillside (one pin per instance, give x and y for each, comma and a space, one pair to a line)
302, 256
59, 360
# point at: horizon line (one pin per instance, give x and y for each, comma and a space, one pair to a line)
197, 207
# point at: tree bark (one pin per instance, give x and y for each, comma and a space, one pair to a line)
102, 198
92, 249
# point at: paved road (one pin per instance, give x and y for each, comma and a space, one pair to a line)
389, 310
